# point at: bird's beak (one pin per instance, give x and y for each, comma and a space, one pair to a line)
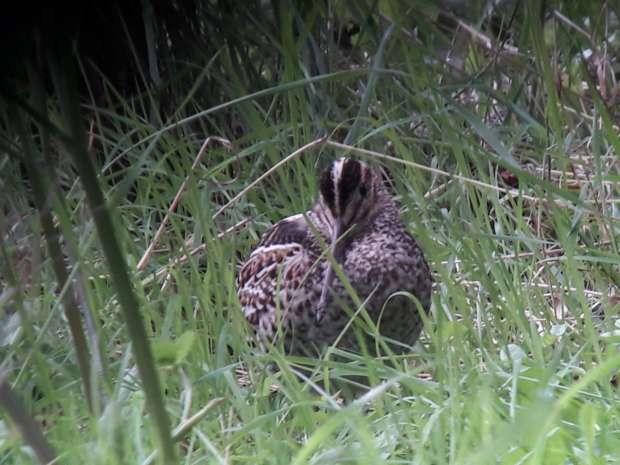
336, 251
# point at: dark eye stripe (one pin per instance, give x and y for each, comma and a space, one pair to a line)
326, 187
348, 182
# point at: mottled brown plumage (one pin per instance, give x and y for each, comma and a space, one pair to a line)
287, 287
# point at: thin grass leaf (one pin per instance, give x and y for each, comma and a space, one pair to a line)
116, 262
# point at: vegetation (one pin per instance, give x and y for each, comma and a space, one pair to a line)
499, 126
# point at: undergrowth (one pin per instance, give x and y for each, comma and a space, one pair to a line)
500, 131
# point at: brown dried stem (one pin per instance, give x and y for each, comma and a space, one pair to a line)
177, 198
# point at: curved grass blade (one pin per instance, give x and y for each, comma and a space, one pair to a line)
62, 77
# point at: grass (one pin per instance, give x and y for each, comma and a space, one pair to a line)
505, 162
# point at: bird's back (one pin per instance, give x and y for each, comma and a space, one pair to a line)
389, 273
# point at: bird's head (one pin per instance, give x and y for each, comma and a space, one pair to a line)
349, 189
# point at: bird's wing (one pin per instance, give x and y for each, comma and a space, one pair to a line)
268, 280
291, 230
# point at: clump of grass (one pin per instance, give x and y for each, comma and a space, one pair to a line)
500, 131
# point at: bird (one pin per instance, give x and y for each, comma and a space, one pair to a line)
289, 289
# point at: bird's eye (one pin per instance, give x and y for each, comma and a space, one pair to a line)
363, 190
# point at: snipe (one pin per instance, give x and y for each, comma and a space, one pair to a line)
288, 287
